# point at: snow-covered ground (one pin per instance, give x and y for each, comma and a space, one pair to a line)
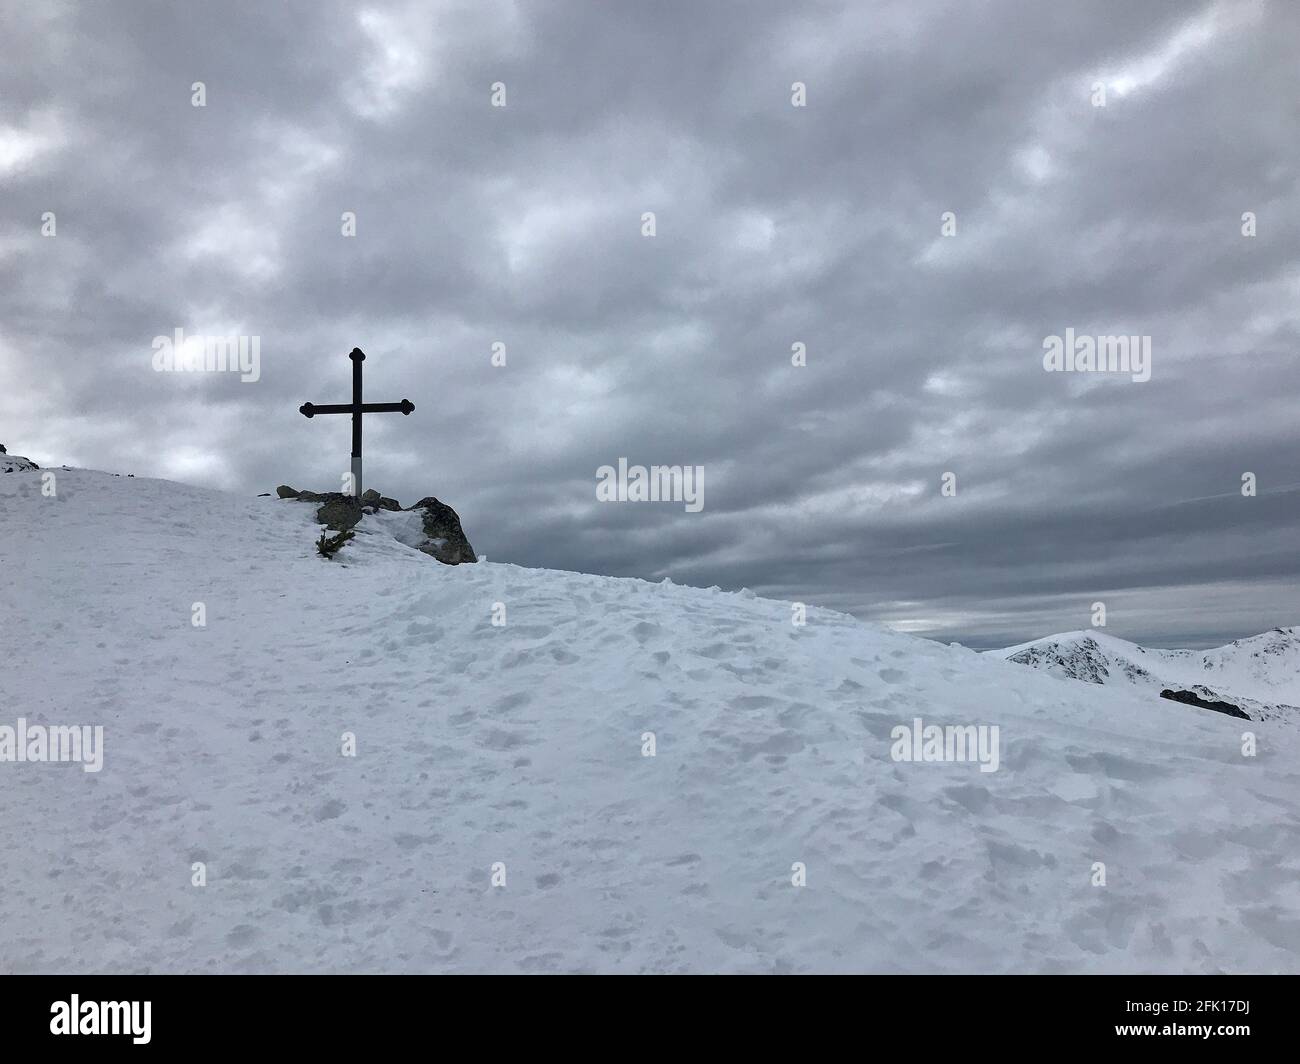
1259, 675
523, 744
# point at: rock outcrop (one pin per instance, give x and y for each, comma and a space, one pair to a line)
372, 498
1192, 698
15, 463
340, 512
443, 538
336, 511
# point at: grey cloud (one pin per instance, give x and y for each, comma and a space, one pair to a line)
775, 225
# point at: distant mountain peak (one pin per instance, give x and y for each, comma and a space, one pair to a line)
1257, 676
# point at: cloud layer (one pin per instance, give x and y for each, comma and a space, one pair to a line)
774, 225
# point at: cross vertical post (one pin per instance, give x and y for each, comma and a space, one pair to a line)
356, 408
357, 358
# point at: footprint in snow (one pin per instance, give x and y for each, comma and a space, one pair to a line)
644, 631
331, 810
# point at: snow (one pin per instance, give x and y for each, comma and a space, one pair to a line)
522, 744
1260, 674
405, 526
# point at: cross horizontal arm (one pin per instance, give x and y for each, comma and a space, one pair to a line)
404, 407
312, 409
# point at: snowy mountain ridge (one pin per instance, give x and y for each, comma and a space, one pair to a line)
620, 777
1260, 675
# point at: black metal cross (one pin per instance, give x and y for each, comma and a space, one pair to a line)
356, 408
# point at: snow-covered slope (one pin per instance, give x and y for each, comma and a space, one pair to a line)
522, 746
1259, 675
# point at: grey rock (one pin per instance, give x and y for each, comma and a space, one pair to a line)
339, 511
370, 497
445, 540
16, 463
1192, 698
336, 510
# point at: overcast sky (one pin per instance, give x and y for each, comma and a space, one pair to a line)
775, 224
